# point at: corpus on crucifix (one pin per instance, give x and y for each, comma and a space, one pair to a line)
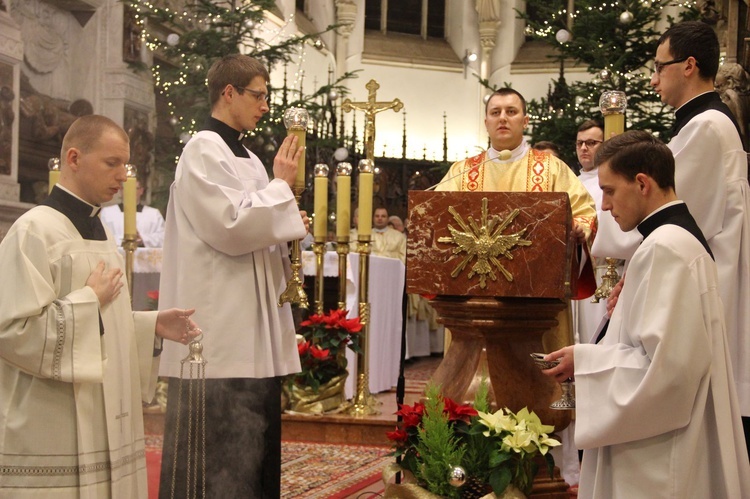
371, 108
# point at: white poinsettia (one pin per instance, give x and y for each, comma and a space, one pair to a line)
497, 422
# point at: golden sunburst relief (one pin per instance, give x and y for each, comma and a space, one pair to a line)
484, 242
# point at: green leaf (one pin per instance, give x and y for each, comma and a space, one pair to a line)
500, 479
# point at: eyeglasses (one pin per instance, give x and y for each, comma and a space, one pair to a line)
658, 66
259, 96
589, 143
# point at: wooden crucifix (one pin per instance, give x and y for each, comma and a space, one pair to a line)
371, 108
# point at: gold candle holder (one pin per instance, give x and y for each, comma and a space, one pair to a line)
343, 206
363, 403
295, 120
130, 238
320, 231
613, 104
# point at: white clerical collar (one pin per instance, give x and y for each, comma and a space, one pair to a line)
515, 154
380, 231
662, 207
94, 209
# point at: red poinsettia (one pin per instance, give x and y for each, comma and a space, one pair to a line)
458, 412
322, 339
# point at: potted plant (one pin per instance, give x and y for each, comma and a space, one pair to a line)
460, 450
321, 342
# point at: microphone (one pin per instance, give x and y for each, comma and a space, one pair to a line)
503, 155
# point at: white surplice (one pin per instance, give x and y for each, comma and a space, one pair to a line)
148, 222
711, 177
71, 422
224, 252
656, 408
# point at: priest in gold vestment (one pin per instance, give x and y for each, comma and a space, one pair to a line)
525, 170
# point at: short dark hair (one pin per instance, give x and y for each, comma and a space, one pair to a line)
589, 124
543, 145
694, 39
233, 69
634, 152
85, 132
503, 92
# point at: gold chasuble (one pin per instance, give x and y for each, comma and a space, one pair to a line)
529, 170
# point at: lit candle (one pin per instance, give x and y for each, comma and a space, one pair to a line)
129, 202
54, 172
343, 199
366, 168
295, 120
613, 104
320, 225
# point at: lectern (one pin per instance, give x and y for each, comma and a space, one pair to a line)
499, 268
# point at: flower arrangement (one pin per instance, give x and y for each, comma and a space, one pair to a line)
321, 342
456, 450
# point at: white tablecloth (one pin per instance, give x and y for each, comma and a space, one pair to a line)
385, 294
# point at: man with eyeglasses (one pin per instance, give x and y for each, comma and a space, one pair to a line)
710, 176
225, 250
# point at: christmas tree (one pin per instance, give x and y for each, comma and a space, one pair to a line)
617, 43
187, 42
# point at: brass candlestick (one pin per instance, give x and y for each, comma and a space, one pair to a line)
363, 403
343, 205
320, 250
320, 230
129, 241
342, 248
295, 120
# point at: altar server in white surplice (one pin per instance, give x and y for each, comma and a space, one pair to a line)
656, 405
710, 176
75, 361
225, 250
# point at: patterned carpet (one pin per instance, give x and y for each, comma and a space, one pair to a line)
309, 470
321, 471
418, 373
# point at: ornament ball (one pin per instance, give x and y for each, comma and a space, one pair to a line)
626, 18
562, 36
457, 476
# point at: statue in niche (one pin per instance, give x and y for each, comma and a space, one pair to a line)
708, 11
42, 117
488, 10
733, 85
141, 142
7, 117
131, 37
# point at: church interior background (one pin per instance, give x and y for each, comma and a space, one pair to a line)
60, 59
